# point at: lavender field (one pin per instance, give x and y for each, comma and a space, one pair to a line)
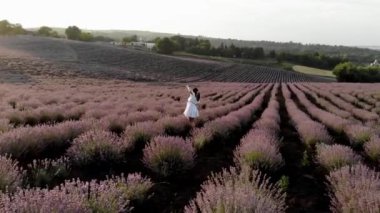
87, 145
22, 57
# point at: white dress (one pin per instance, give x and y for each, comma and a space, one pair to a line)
191, 110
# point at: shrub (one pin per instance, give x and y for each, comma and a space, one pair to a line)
111, 195
336, 156
134, 187
44, 200
233, 191
46, 172
143, 116
26, 143
358, 134
11, 175
115, 123
175, 126
202, 137
96, 147
348, 72
313, 133
220, 128
354, 189
259, 150
5, 126
141, 133
372, 148
168, 156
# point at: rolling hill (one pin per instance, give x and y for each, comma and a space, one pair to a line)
363, 54
31, 55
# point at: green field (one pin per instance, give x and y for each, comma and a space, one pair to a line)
313, 71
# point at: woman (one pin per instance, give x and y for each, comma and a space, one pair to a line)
191, 111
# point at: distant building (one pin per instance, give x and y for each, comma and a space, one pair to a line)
116, 43
137, 45
140, 45
375, 63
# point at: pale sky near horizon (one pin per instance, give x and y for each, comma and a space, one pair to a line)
334, 22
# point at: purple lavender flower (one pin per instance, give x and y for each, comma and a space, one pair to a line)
168, 156
96, 146
111, 195
234, 191
37, 142
372, 148
259, 150
336, 156
46, 171
354, 189
358, 134
141, 133
11, 175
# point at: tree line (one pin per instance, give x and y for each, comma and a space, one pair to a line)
349, 72
203, 47
7, 28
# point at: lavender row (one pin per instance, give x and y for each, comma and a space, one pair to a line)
117, 194
357, 134
357, 112
259, 148
311, 132
324, 103
221, 127
235, 190
27, 143
142, 132
171, 156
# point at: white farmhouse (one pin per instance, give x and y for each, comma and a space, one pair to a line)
375, 63
140, 45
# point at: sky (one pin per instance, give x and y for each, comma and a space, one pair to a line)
334, 22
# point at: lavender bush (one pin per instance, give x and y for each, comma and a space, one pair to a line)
11, 175
336, 156
358, 134
44, 200
96, 146
45, 172
175, 126
5, 126
141, 133
372, 148
168, 156
26, 143
354, 189
111, 195
234, 191
259, 150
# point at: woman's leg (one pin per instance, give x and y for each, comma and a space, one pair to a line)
191, 121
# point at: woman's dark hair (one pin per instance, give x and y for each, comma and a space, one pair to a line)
197, 94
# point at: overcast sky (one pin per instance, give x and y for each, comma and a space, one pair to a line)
345, 22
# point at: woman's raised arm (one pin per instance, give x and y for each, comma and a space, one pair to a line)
189, 89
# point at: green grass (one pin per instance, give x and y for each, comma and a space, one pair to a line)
262, 62
313, 71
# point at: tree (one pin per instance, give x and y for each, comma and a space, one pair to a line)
165, 46
85, 36
73, 32
272, 54
47, 31
180, 42
348, 72
130, 39
6, 28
